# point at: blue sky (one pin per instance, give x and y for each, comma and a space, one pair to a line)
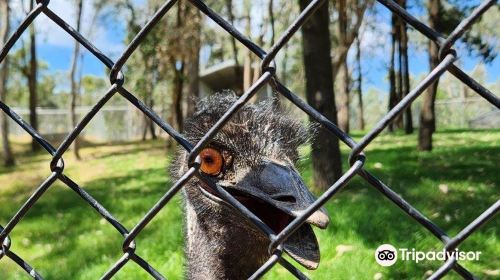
55, 47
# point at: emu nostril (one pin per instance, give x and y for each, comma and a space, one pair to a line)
285, 198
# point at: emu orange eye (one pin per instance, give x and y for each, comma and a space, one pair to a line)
211, 161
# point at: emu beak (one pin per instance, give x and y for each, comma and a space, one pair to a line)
277, 194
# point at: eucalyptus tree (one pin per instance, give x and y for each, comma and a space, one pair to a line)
8, 156
325, 154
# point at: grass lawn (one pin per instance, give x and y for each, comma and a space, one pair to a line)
63, 238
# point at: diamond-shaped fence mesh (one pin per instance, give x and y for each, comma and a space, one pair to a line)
356, 158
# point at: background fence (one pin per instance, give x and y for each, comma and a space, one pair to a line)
123, 123
112, 123
356, 159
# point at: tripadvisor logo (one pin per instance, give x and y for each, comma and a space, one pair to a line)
387, 255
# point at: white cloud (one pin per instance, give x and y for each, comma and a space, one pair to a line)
50, 33
375, 36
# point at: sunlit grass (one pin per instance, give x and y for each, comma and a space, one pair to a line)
64, 238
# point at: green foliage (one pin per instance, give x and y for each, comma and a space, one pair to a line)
65, 239
46, 89
92, 89
452, 15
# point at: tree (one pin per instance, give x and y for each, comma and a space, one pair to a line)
427, 115
394, 96
359, 83
270, 12
444, 20
179, 55
73, 79
193, 60
343, 110
230, 13
350, 17
287, 13
146, 62
177, 58
4, 69
399, 78
405, 71
327, 167
247, 61
168, 57
26, 63
32, 82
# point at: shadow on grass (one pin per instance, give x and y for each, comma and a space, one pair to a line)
25, 157
134, 150
75, 237
451, 186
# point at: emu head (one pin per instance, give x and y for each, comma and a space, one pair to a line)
253, 157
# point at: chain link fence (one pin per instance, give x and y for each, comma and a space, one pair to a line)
111, 123
356, 159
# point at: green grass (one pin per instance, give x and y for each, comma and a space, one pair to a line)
63, 238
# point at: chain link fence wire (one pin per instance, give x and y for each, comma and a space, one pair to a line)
356, 157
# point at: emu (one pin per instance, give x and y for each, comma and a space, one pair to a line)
253, 157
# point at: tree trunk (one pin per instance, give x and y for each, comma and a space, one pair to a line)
247, 64
392, 73
398, 121
256, 70
349, 29
74, 83
178, 82
237, 71
145, 129
327, 167
405, 87
361, 117
32, 82
343, 112
193, 64
149, 97
8, 156
270, 9
146, 120
427, 115
152, 125
178, 63
284, 66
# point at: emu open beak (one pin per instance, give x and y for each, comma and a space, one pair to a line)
277, 194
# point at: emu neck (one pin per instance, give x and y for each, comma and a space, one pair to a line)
217, 247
